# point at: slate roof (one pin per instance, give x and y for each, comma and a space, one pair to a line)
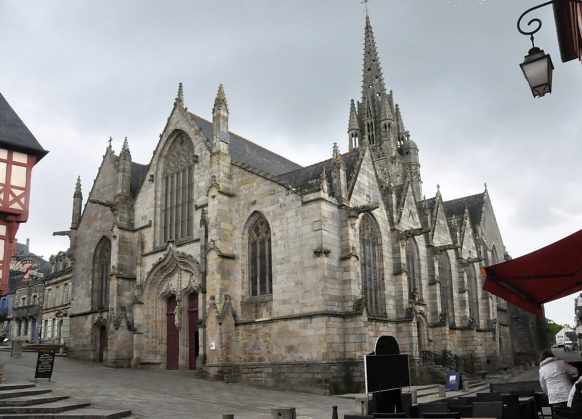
474, 204
22, 253
306, 179
138, 172
247, 152
14, 134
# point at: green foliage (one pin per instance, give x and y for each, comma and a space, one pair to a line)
551, 329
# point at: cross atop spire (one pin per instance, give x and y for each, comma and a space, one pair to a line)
365, 3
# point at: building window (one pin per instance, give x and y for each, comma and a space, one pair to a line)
413, 266
48, 297
23, 301
446, 280
178, 178
101, 267
45, 329
34, 299
66, 294
371, 266
473, 295
260, 271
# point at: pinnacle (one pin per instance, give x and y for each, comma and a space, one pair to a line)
180, 95
78, 188
220, 101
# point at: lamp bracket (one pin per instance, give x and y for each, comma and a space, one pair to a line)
537, 23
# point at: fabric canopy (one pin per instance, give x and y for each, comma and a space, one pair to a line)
545, 275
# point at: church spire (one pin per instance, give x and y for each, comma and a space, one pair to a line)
373, 81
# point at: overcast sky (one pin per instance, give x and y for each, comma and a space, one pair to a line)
80, 71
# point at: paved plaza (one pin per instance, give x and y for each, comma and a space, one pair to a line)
167, 394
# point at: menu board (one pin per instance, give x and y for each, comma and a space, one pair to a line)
45, 363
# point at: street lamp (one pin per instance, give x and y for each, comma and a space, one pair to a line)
537, 66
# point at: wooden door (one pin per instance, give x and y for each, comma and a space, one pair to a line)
102, 343
193, 346
172, 336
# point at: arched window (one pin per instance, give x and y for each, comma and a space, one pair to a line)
101, 269
260, 271
371, 266
413, 265
446, 280
177, 178
473, 295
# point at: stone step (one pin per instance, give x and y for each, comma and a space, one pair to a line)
82, 413
16, 386
8, 394
53, 407
31, 400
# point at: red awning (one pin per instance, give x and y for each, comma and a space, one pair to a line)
545, 275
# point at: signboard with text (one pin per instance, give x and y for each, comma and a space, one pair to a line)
44, 363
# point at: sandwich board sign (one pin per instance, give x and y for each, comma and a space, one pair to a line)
44, 363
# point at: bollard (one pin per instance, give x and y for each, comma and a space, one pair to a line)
465, 386
334, 413
228, 416
362, 404
442, 391
414, 397
283, 413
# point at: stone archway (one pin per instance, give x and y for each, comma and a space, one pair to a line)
166, 324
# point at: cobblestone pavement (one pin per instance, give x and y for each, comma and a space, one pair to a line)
167, 394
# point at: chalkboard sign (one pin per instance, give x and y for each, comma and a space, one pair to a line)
453, 380
45, 363
386, 372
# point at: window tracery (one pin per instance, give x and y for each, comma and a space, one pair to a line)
260, 269
101, 269
371, 266
177, 186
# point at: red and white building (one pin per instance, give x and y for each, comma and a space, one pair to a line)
19, 152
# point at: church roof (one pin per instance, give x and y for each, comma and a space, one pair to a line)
246, 151
306, 179
138, 172
14, 134
474, 203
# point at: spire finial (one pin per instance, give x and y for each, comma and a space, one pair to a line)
180, 96
220, 100
485, 186
109, 147
365, 3
336, 151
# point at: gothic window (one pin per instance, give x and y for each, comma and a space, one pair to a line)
260, 272
101, 267
413, 265
371, 266
473, 294
446, 280
177, 186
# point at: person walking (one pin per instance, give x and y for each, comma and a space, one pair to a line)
556, 378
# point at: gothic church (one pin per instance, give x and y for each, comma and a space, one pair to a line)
222, 256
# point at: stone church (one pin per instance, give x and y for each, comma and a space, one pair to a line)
222, 256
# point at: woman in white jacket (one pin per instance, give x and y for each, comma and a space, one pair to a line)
556, 378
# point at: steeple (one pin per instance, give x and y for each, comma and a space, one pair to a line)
373, 81
77, 204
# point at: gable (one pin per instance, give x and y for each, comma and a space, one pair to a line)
409, 216
441, 235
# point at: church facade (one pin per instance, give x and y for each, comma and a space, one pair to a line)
222, 256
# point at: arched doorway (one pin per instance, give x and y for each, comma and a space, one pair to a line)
193, 346
172, 335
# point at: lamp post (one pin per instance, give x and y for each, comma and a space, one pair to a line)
19, 152
537, 66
